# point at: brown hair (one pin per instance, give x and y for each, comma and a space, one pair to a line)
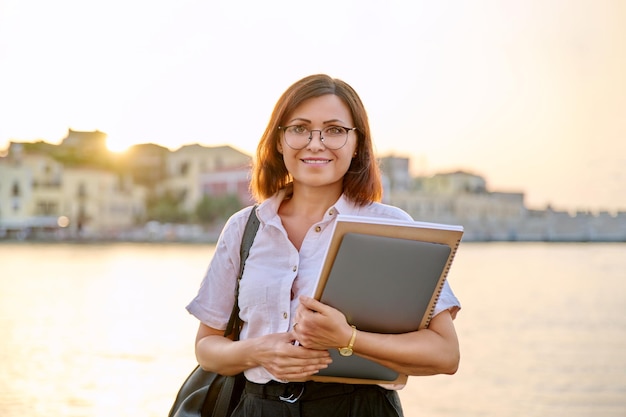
361, 184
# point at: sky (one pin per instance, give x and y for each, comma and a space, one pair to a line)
530, 94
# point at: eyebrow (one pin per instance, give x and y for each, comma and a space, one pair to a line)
300, 119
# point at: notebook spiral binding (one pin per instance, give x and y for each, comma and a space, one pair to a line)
443, 281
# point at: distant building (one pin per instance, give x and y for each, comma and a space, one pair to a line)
84, 143
147, 164
39, 195
233, 181
451, 183
396, 174
463, 198
186, 166
16, 190
79, 188
100, 203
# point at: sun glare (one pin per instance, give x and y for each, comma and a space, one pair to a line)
117, 146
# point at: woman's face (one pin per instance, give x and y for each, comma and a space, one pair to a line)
315, 165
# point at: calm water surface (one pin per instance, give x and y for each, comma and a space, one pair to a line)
101, 330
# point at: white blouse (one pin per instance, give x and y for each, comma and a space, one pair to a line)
276, 273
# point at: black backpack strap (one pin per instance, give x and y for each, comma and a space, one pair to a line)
234, 323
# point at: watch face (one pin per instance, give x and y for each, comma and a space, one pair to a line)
345, 351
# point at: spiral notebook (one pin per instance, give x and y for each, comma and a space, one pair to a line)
386, 277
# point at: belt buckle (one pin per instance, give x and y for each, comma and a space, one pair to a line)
292, 398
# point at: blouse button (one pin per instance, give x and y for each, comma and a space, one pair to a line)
331, 212
285, 314
318, 229
295, 268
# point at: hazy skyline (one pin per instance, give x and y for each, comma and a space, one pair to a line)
531, 95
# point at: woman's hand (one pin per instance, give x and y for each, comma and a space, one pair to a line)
275, 352
320, 326
289, 362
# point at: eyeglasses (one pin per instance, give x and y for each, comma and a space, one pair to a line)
333, 137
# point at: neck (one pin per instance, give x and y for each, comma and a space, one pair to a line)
311, 202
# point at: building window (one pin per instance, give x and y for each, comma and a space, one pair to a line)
46, 208
184, 168
82, 190
15, 191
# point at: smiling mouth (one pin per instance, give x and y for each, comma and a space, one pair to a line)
315, 161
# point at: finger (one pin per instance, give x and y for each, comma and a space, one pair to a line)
293, 337
308, 369
301, 352
312, 303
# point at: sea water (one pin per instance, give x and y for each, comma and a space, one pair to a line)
101, 330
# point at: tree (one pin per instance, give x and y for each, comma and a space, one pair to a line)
165, 209
211, 209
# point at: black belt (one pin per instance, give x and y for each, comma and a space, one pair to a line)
300, 391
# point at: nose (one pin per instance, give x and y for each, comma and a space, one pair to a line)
312, 144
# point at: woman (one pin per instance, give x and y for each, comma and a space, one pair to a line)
314, 161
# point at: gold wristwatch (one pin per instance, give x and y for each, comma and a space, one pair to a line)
347, 351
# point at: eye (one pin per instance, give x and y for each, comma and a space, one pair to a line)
297, 129
335, 131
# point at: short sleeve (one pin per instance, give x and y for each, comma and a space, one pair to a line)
447, 301
216, 296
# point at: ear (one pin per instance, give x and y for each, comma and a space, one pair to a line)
279, 147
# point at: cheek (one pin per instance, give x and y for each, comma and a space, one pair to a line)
354, 149
346, 159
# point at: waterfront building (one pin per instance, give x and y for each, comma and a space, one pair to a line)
101, 203
228, 181
16, 192
464, 198
41, 196
67, 191
146, 163
186, 166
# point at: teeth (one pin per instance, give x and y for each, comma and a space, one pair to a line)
316, 161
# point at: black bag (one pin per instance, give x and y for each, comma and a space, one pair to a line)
208, 394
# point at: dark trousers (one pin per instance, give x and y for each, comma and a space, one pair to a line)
317, 399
